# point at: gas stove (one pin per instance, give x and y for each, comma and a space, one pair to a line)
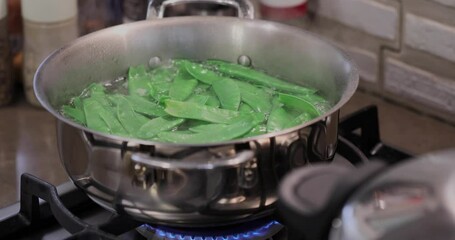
65, 212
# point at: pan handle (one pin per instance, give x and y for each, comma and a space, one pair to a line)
156, 8
162, 163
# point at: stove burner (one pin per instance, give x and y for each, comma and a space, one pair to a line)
264, 231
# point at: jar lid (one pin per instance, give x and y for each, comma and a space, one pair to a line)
46, 11
3, 9
283, 3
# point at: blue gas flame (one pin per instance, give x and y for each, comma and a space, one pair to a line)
259, 232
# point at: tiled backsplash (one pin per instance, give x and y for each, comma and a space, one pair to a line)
405, 49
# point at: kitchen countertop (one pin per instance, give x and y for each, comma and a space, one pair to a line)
28, 139
27, 144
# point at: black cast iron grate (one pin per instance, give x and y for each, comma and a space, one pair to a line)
32, 213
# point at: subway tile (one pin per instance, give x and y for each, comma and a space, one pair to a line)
421, 86
366, 61
430, 36
369, 16
450, 3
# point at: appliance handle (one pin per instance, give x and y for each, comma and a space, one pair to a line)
163, 163
156, 8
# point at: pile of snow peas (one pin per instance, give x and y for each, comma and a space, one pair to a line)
185, 101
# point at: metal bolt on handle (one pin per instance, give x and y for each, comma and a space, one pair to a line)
156, 8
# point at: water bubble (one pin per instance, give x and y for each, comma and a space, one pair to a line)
154, 62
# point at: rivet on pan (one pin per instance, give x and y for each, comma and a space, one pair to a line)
336, 223
154, 62
244, 60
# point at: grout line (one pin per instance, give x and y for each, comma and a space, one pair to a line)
387, 48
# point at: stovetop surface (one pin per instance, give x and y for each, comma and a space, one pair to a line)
94, 215
93, 222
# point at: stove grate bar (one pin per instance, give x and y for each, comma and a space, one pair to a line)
33, 189
31, 214
368, 140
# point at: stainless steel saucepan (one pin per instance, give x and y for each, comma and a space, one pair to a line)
193, 184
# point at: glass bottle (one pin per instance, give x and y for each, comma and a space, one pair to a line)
134, 10
48, 25
98, 14
6, 81
282, 9
15, 36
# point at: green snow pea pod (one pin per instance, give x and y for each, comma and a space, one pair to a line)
137, 71
224, 133
256, 98
181, 88
257, 130
245, 108
103, 99
190, 123
258, 118
199, 112
96, 89
298, 104
227, 92
199, 99
180, 64
109, 117
142, 118
201, 72
140, 105
92, 108
201, 88
129, 119
138, 81
255, 117
77, 103
114, 99
157, 125
278, 120
163, 74
175, 137
312, 98
213, 100
74, 113
304, 117
159, 89
321, 104
242, 72
206, 127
